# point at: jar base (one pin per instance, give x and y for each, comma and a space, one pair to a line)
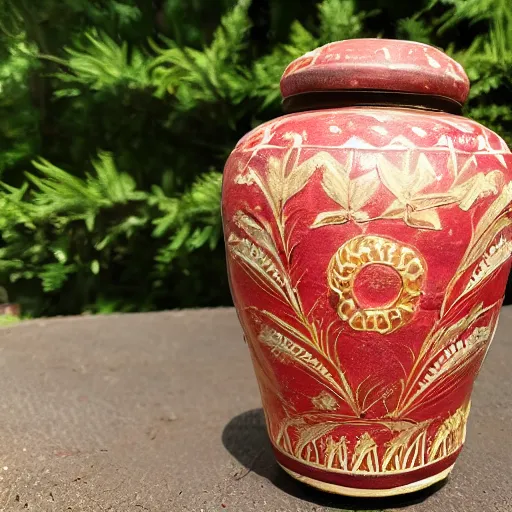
370, 493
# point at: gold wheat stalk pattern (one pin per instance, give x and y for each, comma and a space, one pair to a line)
450, 435
336, 453
412, 446
492, 259
407, 449
454, 359
284, 347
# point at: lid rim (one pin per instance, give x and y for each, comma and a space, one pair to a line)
377, 64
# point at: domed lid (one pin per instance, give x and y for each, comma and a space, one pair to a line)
380, 65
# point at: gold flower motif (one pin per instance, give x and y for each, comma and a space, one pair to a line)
351, 194
361, 252
419, 210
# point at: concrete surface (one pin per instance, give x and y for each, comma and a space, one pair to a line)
160, 412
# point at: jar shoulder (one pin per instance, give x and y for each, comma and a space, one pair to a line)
375, 129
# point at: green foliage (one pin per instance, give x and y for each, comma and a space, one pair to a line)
100, 64
339, 19
209, 75
19, 136
487, 60
116, 117
8, 320
191, 222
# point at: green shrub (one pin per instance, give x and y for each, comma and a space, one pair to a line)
116, 117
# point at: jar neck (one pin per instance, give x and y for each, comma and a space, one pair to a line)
315, 100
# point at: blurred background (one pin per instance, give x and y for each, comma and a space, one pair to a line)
116, 117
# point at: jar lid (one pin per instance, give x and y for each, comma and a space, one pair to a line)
388, 65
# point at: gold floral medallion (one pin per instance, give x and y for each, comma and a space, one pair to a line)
378, 282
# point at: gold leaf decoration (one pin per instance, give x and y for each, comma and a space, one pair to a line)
244, 175
422, 176
275, 179
300, 175
445, 356
336, 181
260, 265
393, 178
493, 258
255, 231
360, 252
476, 250
280, 345
405, 183
395, 210
485, 232
455, 357
307, 441
408, 449
434, 200
489, 226
360, 216
324, 401
365, 456
281, 185
330, 218
361, 189
283, 437
350, 194
450, 435
453, 166
424, 219
500, 203
445, 335
336, 453
418, 209
478, 186
263, 247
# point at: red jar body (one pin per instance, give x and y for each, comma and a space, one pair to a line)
368, 253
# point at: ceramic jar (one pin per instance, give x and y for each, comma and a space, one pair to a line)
368, 235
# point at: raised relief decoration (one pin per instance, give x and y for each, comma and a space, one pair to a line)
368, 251
264, 249
370, 259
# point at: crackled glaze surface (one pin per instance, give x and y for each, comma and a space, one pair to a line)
368, 253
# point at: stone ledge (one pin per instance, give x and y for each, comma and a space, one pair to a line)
161, 412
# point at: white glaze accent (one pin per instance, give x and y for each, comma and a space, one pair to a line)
380, 129
419, 131
387, 55
402, 142
432, 62
357, 143
443, 141
453, 74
